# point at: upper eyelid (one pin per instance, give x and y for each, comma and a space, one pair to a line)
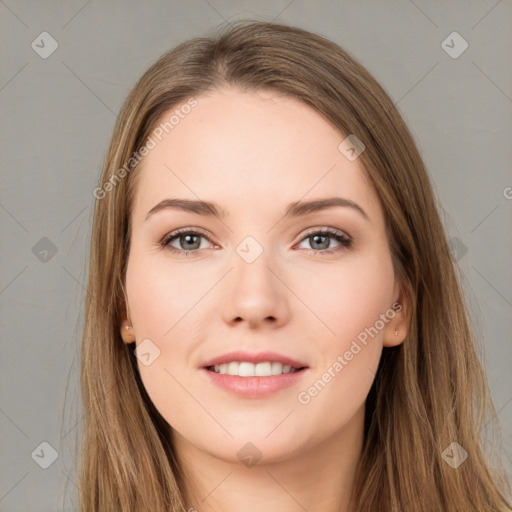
180, 231
326, 229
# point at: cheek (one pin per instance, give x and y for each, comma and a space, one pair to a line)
162, 293
348, 298
165, 301
349, 335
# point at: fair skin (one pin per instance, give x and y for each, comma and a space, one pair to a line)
254, 153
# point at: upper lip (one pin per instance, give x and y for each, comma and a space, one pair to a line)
253, 357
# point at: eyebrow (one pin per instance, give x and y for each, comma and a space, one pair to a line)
296, 209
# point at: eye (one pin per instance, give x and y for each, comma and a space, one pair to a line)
188, 241
321, 239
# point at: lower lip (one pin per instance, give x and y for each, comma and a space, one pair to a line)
254, 387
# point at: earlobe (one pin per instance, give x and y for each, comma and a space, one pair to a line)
395, 337
127, 332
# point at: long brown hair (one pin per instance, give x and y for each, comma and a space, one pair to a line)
429, 392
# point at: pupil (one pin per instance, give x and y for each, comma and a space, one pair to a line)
189, 239
325, 245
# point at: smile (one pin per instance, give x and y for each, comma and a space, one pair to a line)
248, 369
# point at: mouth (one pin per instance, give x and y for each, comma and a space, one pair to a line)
249, 364
249, 369
254, 375
248, 380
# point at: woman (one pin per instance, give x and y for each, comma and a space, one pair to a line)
273, 319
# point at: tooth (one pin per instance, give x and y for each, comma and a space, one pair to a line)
262, 370
276, 368
246, 369
233, 368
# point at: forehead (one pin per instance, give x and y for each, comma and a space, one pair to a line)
245, 149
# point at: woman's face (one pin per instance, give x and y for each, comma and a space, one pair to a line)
261, 277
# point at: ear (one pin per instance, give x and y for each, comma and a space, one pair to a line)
127, 331
397, 328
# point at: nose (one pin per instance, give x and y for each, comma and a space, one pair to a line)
255, 293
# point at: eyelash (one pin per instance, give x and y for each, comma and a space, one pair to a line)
344, 240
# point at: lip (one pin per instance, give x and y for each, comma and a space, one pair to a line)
259, 357
254, 387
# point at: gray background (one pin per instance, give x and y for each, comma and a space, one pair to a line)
57, 116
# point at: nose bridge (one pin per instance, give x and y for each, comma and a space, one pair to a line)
253, 268
255, 294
